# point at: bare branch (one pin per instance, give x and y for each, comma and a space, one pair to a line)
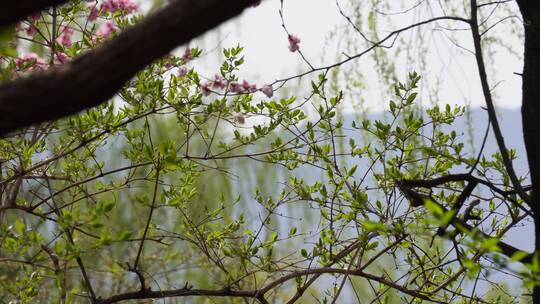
392, 36
227, 292
490, 105
506, 249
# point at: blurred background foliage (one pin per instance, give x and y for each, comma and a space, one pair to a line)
171, 187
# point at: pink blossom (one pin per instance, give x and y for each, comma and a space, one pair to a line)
35, 17
293, 43
65, 37
240, 118
61, 58
112, 6
33, 60
94, 12
205, 88
247, 87
31, 29
182, 71
22, 60
168, 61
235, 87
268, 90
187, 55
219, 82
106, 29
65, 40
253, 88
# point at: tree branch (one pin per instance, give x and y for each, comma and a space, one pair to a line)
182, 292
227, 292
506, 249
13, 11
461, 177
491, 107
96, 76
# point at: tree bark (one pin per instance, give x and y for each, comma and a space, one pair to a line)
13, 11
96, 76
530, 109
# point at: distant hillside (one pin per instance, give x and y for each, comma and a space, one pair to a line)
510, 122
473, 132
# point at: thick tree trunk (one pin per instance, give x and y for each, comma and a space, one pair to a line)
97, 75
530, 109
13, 11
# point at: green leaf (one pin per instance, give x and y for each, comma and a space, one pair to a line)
373, 226
108, 206
518, 256
433, 207
124, 235
292, 231
352, 170
411, 97
490, 245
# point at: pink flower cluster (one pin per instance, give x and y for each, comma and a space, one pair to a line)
111, 6
168, 63
268, 90
205, 89
61, 58
94, 12
219, 83
294, 43
31, 60
32, 29
106, 29
188, 55
65, 36
245, 87
126, 6
182, 71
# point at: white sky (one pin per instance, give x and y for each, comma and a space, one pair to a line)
268, 58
